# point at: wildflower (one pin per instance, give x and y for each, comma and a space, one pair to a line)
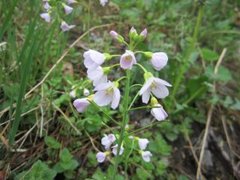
127, 60
81, 104
107, 140
159, 60
97, 75
107, 93
86, 92
159, 113
101, 156
115, 149
66, 27
156, 86
93, 59
67, 9
46, 5
143, 142
103, 2
71, 1
144, 33
46, 17
146, 155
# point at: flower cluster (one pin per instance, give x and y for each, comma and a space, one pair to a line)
107, 141
107, 92
48, 7
143, 143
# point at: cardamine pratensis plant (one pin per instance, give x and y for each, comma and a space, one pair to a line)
107, 92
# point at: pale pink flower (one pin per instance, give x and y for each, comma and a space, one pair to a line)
156, 86
67, 9
143, 142
146, 155
93, 59
46, 17
107, 93
66, 27
127, 60
46, 6
144, 33
103, 2
107, 140
81, 104
159, 60
159, 113
101, 156
97, 75
115, 148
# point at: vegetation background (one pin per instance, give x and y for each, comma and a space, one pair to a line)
40, 65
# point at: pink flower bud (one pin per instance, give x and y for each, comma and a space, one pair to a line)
144, 33
114, 34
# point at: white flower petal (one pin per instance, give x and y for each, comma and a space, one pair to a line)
160, 91
146, 86
101, 156
116, 98
146, 96
143, 142
101, 98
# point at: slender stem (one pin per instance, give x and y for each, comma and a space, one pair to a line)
124, 121
186, 56
142, 67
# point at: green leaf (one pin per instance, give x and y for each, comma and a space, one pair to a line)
52, 142
209, 55
39, 171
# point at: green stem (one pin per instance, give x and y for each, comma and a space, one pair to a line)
142, 67
124, 121
186, 56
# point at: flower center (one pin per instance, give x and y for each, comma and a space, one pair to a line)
128, 58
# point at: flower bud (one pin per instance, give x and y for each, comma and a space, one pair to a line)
86, 92
154, 101
147, 75
116, 36
148, 54
133, 34
144, 33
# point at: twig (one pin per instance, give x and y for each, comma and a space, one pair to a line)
209, 117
